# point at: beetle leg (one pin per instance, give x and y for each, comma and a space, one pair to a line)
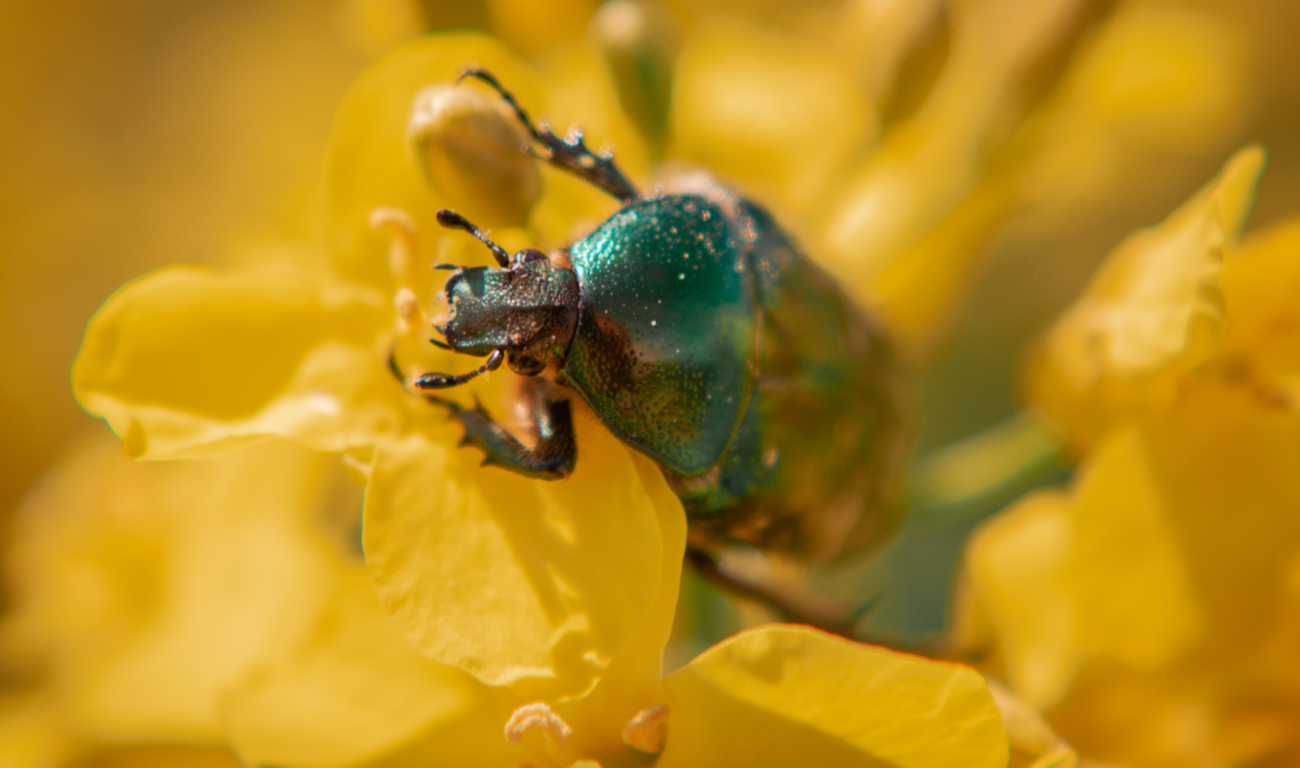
793, 605
569, 153
553, 456
556, 451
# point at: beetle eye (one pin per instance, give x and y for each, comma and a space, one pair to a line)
531, 254
526, 366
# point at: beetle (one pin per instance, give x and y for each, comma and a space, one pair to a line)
699, 334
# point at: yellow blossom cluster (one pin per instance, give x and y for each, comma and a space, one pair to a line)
1150, 608
308, 568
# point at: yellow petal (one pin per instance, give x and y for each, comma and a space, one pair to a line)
155, 586
1172, 76
918, 292
534, 27
1152, 312
876, 36
32, 732
519, 582
765, 112
1228, 469
169, 756
374, 26
368, 163
634, 680
1261, 288
1014, 569
927, 165
1152, 78
1126, 572
355, 691
786, 695
187, 363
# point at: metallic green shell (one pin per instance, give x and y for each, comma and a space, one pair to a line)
710, 342
666, 329
817, 459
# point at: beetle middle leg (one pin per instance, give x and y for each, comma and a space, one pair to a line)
791, 604
569, 153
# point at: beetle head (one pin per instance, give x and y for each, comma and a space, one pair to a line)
529, 310
525, 312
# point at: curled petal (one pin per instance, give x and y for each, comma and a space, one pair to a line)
189, 363
1152, 312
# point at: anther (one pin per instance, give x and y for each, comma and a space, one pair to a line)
538, 715
645, 731
408, 307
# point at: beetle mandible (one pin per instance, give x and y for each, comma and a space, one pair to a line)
700, 335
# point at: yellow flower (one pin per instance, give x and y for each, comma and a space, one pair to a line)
773, 696
187, 605
134, 140
1149, 607
1152, 314
143, 591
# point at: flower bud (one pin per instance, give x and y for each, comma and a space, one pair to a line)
468, 146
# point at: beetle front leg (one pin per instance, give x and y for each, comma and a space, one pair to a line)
551, 415
553, 456
551, 459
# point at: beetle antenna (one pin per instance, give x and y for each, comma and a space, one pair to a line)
453, 220
569, 153
446, 380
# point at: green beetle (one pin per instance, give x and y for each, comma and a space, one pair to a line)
700, 335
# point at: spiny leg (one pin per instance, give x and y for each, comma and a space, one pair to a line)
556, 451
569, 153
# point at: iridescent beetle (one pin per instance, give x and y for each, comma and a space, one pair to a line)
698, 333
